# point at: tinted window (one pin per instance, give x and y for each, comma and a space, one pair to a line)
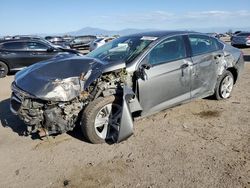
84, 39
36, 46
13, 46
201, 44
78, 40
169, 50
57, 39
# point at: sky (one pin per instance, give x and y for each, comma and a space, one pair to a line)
59, 16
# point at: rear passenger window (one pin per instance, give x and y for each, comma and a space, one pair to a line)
171, 49
201, 44
13, 46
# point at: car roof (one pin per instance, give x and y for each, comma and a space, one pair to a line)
161, 34
242, 33
21, 40
85, 36
53, 37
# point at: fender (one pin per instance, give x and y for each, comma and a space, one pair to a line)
130, 104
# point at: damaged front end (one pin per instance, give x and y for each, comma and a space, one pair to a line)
57, 103
43, 116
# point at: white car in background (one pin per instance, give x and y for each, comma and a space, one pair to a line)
99, 42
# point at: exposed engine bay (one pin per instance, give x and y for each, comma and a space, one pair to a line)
48, 117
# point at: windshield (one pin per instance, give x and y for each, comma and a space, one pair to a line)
122, 49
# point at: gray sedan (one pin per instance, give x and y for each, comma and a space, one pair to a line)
135, 75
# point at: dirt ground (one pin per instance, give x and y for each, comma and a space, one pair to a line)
204, 143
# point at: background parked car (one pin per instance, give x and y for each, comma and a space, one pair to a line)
216, 35
58, 41
82, 42
235, 33
21, 37
17, 54
99, 42
7, 38
68, 38
241, 39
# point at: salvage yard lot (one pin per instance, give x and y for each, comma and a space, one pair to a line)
205, 143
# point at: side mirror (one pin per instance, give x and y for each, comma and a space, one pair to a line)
141, 72
50, 49
146, 66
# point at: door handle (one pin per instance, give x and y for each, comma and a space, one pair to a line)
217, 56
184, 65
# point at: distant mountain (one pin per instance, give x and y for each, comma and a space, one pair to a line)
97, 31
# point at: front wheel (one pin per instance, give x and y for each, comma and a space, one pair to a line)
224, 86
101, 120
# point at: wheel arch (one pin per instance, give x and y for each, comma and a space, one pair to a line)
234, 72
6, 63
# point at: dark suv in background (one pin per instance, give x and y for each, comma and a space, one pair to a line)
19, 53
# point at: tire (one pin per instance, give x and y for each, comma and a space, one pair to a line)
3, 69
91, 119
221, 92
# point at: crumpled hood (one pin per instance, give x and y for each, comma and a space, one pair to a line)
58, 79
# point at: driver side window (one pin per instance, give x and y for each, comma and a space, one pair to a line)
171, 49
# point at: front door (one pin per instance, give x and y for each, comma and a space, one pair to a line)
38, 52
167, 82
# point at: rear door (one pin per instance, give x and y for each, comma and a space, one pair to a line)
167, 82
14, 53
205, 58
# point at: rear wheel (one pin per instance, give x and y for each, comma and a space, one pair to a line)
101, 119
224, 86
3, 69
